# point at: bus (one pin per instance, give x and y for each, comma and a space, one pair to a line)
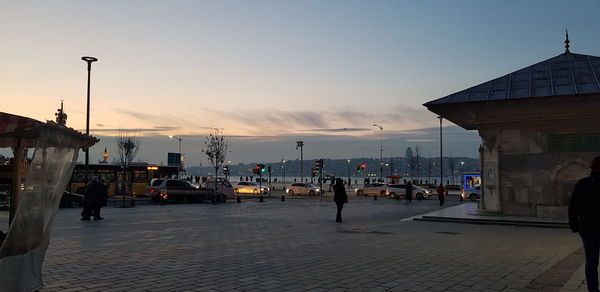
140, 174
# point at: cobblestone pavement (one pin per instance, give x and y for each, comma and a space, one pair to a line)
296, 246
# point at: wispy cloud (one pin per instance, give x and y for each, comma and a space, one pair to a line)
338, 130
277, 122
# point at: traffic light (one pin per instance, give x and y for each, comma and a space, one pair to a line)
256, 169
313, 172
262, 168
226, 170
361, 168
269, 169
318, 165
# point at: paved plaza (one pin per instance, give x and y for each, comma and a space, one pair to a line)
296, 246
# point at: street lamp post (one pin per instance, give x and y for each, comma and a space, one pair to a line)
301, 145
348, 173
380, 150
283, 166
441, 154
180, 158
462, 170
89, 61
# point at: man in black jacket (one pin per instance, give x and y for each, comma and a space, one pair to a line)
339, 197
584, 218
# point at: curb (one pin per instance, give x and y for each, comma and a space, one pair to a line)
493, 222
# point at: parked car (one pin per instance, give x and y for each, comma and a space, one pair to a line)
248, 187
371, 189
163, 190
302, 189
223, 186
71, 200
473, 194
419, 193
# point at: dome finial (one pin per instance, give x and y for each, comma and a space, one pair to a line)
567, 42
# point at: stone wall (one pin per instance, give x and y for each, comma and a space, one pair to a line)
531, 181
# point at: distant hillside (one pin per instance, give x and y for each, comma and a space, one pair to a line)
340, 167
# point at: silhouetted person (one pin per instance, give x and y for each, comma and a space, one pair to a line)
340, 197
409, 191
100, 200
93, 192
440, 191
584, 218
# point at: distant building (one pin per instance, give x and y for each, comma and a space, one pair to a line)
540, 128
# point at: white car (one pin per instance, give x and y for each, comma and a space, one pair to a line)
419, 193
371, 189
223, 186
248, 187
302, 189
472, 194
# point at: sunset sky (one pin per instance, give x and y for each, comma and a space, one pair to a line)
270, 73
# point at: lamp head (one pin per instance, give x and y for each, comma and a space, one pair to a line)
89, 59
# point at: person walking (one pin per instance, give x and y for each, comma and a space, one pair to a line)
409, 191
93, 193
89, 200
100, 200
440, 191
340, 197
584, 218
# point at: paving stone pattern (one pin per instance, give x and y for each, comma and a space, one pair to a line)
297, 246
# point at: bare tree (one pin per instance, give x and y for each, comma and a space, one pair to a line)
216, 150
128, 145
417, 154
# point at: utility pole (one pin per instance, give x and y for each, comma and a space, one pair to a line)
380, 150
300, 144
441, 154
89, 61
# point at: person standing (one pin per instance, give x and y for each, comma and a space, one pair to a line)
100, 200
440, 191
584, 218
340, 197
409, 191
90, 200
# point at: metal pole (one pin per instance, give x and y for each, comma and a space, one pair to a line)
381, 153
348, 173
284, 172
89, 61
301, 164
441, 155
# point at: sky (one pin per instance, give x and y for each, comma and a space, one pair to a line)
270, 73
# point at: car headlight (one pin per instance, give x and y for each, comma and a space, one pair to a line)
428, 192
318, 190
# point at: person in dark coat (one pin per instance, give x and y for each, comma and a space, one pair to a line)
340, 197
409, 191
93, 193
584, 218
440, 191
101, 199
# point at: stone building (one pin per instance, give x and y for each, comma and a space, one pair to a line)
539, 128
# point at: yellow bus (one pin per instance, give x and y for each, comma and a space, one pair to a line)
140, 174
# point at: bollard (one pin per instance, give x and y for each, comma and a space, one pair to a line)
375, 197
261, 199
283, 198
239, 200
